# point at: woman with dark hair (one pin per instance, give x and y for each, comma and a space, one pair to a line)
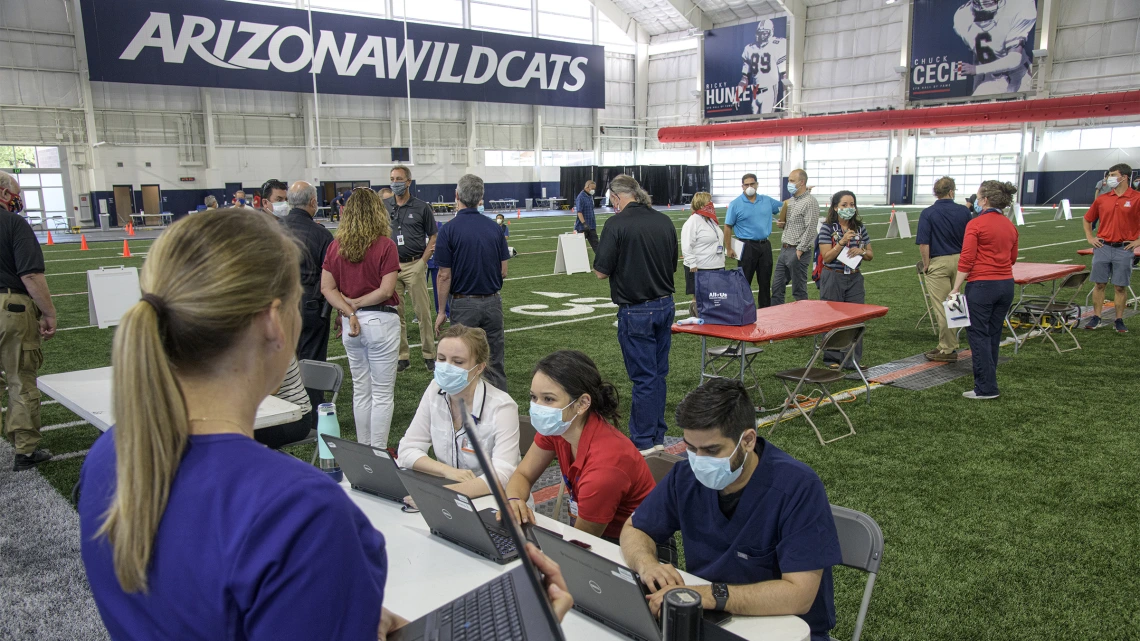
574, 412
845, 232
986, 265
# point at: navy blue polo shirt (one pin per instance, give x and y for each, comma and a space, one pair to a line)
783, 523
473, 247
943, 226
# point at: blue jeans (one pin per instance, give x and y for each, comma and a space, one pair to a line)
989, 302
645, 339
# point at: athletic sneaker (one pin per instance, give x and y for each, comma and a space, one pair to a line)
1093, 323
977, 397
1120, 326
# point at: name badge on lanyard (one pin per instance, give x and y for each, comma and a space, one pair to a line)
573, 501
400, 240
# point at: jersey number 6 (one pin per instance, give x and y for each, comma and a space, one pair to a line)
984, 53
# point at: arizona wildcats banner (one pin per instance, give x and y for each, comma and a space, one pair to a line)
214, 43
964, 48
745, 67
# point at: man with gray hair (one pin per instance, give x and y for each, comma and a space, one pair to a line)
29, 318
314, 241
471, 253
211, 202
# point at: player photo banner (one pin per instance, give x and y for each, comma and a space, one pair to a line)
965, 48
745, 68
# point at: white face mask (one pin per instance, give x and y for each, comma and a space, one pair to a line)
1112, 182
590, 191
750, 191
281, 209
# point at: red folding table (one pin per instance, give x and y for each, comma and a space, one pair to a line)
1025, 274
780, 322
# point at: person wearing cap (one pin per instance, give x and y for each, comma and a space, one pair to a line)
1118, 212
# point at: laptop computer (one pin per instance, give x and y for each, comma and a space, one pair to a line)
512, 607
371, 469
452, 516
613, 594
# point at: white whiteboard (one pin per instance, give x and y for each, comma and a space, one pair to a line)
111, 291
571, 257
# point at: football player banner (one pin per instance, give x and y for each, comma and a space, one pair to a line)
964, 48
745, 68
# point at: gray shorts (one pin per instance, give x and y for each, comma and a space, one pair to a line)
1112, 264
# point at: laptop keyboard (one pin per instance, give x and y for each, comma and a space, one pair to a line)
488, 612
503, 544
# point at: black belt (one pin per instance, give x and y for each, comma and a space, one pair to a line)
379, 308
10, 290
746, 240
1117, 245
839, 271
413, 258
473, 295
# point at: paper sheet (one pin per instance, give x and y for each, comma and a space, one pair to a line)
850, 261
738, 247
957, 312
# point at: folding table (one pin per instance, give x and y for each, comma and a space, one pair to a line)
798, 319
1025, 274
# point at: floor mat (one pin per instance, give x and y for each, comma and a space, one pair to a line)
916, 373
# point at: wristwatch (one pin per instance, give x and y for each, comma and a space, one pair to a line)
720, 593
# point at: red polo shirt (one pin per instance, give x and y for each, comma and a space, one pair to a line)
1119, 216
990, 247
357, 279
608, 479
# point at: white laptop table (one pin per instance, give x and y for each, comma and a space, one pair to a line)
425, 572
88, 393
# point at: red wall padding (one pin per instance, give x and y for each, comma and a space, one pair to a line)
994, 113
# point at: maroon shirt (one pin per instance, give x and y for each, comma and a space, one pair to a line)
357, 279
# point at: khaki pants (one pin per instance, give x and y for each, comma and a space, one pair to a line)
20, 358
939, 281
413, 281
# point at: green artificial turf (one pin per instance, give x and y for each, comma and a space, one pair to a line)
1012, 519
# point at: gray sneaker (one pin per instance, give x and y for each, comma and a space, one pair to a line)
977, 397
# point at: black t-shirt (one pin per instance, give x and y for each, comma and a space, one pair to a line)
415, 221
20, 252
314, 241
638, 251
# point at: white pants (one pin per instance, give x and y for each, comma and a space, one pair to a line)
372, 360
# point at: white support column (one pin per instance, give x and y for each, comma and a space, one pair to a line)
472, 139
395, 107
797, 35
640, 97
703, 153
1047, 32
208, 125
537, 119
596, 119
309, 117
904, 52
92, 134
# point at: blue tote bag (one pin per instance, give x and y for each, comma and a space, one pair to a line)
724, 297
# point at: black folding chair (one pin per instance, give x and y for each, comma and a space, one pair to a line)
841, 340
1055, 313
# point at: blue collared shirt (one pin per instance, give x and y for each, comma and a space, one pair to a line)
473, 247
585, 206
752, 220
943, 226
782, 524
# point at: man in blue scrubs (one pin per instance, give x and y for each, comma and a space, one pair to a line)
750, 219
754, 521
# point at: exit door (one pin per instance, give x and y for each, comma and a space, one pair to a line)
124, 204
152, 202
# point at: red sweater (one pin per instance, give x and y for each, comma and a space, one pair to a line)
990, 247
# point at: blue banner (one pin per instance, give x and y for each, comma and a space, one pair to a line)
745, 68
214, 43
965, 48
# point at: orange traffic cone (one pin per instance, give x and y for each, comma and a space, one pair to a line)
83, 243
126, 250
130, 229
519, 216
49, 240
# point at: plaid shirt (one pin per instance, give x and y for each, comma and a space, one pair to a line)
803, 216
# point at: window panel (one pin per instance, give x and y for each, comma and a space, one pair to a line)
28, 180
565, 28
53, 199
51, 180
437, 11
368, 7
566, 7
47, 157
497, 18
1100, 138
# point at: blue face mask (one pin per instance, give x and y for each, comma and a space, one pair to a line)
792, 187
548, 420
977, 207
847, 213
451, 378
480, 208
715, 472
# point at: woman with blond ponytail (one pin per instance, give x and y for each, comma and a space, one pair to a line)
190, 528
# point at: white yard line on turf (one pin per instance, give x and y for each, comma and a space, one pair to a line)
64, 457
60, 426
70, 260
65, 273
71, 294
